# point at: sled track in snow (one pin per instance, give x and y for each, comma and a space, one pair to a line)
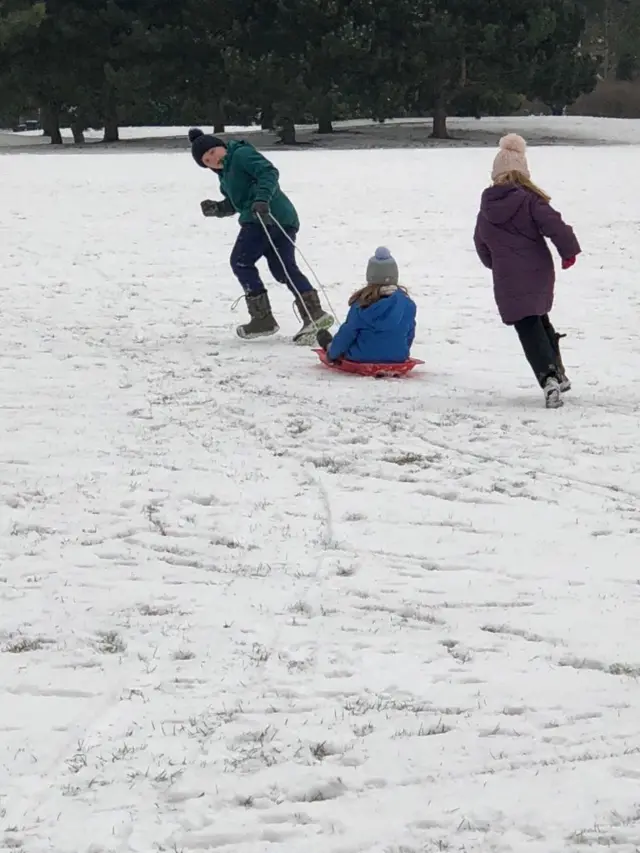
378, 424
302, 474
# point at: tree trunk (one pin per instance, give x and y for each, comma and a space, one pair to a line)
45, 121
325, 115
77, 128
111, 129
111, 123
267, 117
287, 132
51, 123
440, 121
219, 117
608, 63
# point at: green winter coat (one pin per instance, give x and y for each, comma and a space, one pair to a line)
246, 177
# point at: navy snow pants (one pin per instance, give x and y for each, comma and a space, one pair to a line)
253, 244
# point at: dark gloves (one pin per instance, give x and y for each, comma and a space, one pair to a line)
567, 263
209, 208
260, 210
324, 338
217, 209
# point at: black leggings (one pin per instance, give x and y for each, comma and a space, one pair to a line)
540, 344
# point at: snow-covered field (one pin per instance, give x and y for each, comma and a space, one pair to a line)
250, 605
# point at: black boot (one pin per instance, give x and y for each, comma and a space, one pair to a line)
262, 323
313, 317
554, 340
541, 356
563, 379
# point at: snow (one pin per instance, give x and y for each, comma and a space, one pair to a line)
248, 604
393, 133
126, 133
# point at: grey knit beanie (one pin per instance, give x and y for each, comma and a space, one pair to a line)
382, 268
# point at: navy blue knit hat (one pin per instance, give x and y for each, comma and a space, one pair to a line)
203, 142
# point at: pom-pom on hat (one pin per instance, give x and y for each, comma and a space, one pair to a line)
201, 143
382, 268
511, 157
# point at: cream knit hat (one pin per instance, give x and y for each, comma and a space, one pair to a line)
511, 157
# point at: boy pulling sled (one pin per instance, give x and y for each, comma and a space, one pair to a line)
269, 225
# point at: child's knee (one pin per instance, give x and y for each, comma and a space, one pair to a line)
239, 262
280, 276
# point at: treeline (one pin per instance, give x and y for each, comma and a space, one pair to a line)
105, 63
613, 34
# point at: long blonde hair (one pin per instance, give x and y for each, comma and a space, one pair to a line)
371, 293
521, 180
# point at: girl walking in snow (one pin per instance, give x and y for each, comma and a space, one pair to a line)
269, 225
514, 220
381, 323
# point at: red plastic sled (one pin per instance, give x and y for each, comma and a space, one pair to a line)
378, 371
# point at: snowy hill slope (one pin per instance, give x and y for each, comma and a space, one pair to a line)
249, 605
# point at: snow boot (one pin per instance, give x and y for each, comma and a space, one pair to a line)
262, 323
554, 340
552, 397
563, 379
313, 317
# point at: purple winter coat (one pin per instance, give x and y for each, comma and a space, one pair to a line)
510, 240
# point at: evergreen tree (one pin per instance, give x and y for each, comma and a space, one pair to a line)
561, 71
295, 60
19, 20
432, 55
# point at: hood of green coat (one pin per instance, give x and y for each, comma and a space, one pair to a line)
232, 147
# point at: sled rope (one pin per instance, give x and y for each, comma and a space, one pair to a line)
294, 289
319, 284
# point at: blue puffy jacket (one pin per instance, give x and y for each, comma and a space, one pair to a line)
382, 333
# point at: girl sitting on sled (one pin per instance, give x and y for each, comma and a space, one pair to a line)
381, 323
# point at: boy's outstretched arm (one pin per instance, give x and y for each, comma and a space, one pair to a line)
262, 170
217, 209
552, 225
345, 336
225, 207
